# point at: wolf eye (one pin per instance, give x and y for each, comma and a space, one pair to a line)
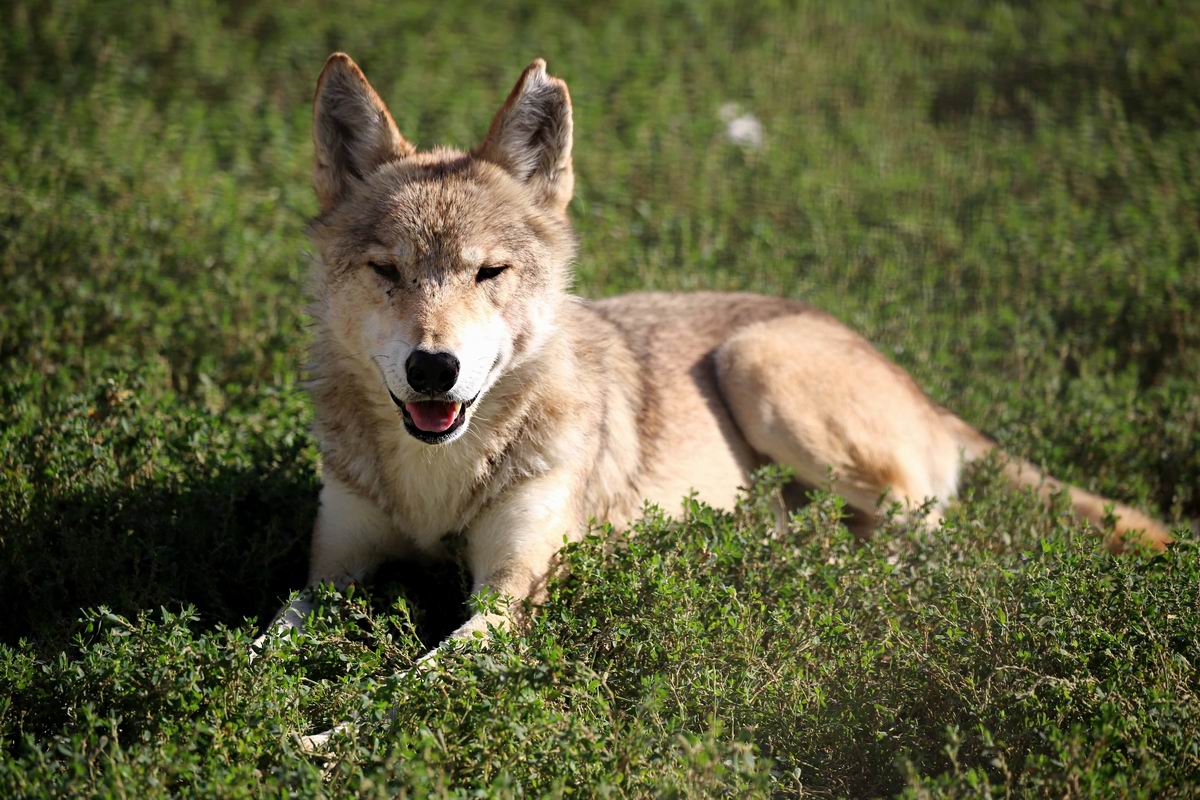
487, 273
385, 270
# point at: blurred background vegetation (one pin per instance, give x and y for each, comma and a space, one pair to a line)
1005, 197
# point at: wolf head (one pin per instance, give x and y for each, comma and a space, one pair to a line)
440, 271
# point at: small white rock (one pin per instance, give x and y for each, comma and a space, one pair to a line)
741, 127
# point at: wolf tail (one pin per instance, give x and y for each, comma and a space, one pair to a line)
1133, 528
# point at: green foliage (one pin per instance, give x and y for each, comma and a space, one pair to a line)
1005, 197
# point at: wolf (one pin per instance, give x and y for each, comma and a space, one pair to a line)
459, 387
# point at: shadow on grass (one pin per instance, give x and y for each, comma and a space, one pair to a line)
1062, 67
232, 544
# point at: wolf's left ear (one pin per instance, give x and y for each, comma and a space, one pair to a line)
352, 130
530, 136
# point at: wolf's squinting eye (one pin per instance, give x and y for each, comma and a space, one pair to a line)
385, 270
487, 273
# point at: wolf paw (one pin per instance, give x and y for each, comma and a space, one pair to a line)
319, 742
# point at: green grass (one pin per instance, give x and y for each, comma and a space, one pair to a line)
1005, 198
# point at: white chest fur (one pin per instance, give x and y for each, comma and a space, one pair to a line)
429, 491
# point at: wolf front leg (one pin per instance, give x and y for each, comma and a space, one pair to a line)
510, 549
511, 546
350, 538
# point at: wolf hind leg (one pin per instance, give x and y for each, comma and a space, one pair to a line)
810, 394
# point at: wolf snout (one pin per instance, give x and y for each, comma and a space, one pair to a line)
431, 373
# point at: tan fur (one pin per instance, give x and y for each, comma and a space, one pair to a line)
582, 410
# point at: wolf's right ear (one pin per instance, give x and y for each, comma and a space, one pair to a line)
353, 133
530, 136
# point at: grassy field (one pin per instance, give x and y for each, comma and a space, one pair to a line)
1006, 198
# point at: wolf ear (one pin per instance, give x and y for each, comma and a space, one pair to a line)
352, 130
530, 136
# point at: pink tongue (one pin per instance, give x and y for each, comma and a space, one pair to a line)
432, 416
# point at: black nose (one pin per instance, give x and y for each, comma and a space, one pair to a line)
431, 373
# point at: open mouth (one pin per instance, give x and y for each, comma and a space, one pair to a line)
432, 421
